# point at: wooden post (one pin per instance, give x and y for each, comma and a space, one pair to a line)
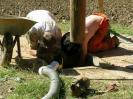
77, 14
7, 49
18, 47
101, 6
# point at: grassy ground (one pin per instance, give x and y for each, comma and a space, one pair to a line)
20, 84
65, 25
16, 83
121, 29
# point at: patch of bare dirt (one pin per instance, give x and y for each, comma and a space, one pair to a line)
6, 87
120, 11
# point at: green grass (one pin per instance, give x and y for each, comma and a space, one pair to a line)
65, 26
31, 89
7, 72
29, 85
120, 29
33, 86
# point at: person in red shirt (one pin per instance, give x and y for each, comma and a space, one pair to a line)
97, 37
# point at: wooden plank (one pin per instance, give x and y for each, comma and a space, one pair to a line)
97, 73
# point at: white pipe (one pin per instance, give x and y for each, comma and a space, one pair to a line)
54, 77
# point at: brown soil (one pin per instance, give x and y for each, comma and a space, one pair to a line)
120, 11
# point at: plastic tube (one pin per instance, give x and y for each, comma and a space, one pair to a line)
54, 77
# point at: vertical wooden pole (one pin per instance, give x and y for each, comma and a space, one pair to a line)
77, 14
18, 46
7, 49
101, 6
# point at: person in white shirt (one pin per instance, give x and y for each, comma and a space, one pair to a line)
44, 37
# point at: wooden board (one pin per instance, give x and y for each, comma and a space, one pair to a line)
92, 72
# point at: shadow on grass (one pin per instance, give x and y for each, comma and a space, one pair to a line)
32, 64
92, 92
70, 72
62, 93
89, 93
